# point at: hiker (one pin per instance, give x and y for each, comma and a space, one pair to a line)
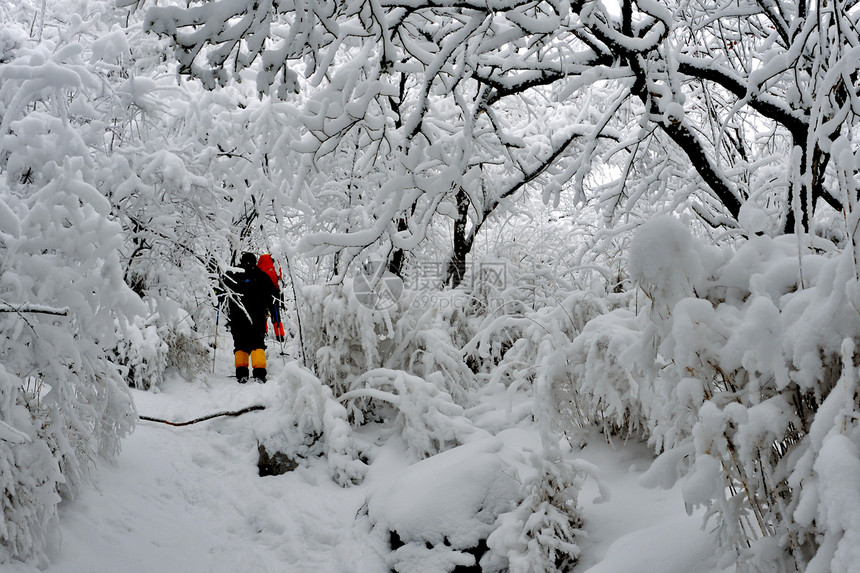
267, 265
250, 295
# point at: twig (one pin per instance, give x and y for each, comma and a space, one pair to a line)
204, 418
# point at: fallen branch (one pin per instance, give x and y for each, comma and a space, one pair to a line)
33, 309
204, 418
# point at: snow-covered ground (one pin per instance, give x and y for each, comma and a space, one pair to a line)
189, 499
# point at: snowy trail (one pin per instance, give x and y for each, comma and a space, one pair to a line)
196, 503
639, 530
190, 500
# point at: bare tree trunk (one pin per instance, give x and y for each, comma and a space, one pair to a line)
456, 271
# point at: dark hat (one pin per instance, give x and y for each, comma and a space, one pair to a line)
248, 260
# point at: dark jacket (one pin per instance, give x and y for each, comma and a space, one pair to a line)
250, 294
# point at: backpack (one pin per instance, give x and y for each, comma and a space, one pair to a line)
267, 265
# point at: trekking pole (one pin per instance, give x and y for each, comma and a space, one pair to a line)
215, 348
279, 330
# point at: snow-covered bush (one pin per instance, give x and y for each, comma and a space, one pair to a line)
150, 345
142, 352
540, 358
185, 349
60, 290
531, 336
828, 501
738, 369
539, 535
494, 320
426, 416
739, 384
320, 420
598, 379
428, 342
436, 513
492, 504
349, 339
342, 335
29, 476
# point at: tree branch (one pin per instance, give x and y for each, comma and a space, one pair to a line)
34, 309
204, 418
703, 70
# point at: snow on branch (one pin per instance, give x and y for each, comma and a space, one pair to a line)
33, 309
13, 436
432, 422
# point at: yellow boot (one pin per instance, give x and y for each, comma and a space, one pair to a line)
241, 361
258, 361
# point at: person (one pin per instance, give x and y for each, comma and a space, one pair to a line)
250, 294
267, 265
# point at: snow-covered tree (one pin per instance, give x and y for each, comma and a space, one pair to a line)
402, 133
63, 402
463, 107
